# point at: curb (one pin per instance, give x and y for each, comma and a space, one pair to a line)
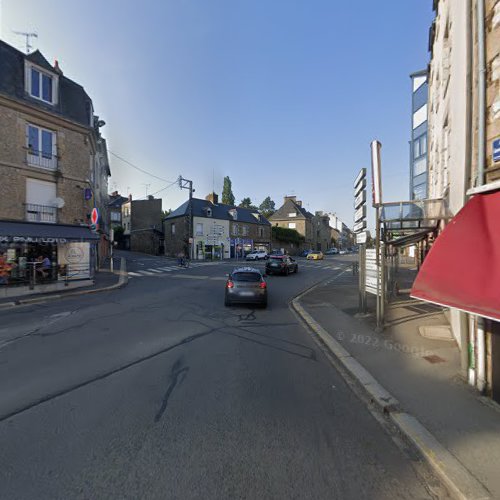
122, 281
460, 482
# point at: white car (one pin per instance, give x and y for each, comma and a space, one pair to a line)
257, 255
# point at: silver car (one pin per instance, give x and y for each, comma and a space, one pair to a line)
246, 285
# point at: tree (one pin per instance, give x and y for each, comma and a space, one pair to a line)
227, 192
267, 207
247, 203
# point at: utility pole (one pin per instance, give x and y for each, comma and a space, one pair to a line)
28, 37
187, 184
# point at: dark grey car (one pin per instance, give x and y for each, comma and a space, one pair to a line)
246, 285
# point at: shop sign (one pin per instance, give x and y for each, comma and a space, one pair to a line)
75, 257
29, 239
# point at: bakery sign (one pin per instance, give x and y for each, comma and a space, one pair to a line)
30, 239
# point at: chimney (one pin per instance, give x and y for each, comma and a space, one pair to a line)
130, 197
298, 202
56, 67
151, 197
291, 198
114, 193
212, 198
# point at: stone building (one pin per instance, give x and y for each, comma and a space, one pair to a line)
217, 230
293, 215
322, 231
53, 167
142, 224
464, 170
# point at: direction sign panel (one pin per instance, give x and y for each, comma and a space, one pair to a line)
359, 226
360, 199
361, 175
361, 237
372, 272
360, 187
360, 213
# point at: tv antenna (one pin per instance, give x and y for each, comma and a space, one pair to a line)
28, 37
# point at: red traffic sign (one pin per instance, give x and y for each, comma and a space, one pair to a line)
94, 216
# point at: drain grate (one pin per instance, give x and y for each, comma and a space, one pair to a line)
433, 358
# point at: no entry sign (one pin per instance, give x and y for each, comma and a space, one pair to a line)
94, 216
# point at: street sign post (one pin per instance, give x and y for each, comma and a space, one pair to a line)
359, 228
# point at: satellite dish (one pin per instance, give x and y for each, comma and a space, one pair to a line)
59, 202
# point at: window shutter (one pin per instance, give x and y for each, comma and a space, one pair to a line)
54, 145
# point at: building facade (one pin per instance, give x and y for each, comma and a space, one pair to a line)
52, 158
142, 224
218, 231
322, 232
115, 209
461, 159
418, 139
292, 215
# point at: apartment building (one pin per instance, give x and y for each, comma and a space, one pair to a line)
54, 170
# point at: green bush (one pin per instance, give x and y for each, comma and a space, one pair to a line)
287, 235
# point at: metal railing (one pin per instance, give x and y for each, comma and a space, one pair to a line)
40, 213
41, 159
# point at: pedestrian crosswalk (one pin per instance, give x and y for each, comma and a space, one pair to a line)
155, 271
173, 269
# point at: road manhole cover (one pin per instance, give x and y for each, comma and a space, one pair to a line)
433, 358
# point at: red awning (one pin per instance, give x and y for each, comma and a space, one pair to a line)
462, 269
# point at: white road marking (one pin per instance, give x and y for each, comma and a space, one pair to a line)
134, 274
154, 271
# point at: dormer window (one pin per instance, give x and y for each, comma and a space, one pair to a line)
41, 84
209, 212
234, 214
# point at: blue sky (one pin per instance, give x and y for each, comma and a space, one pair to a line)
284, 96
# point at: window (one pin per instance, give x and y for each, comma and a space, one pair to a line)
42, 148
236, 229
209, 212
261, 232
291, 225
419, 166
172, 228
420, 146
40, 201
115, 217
40, 84
245, 230
292, 214
199, 229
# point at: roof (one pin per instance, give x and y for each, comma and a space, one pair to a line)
73, 102
422, 72
116, 201
19, 229
219, 211
289, 206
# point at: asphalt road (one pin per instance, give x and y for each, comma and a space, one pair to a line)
159, 391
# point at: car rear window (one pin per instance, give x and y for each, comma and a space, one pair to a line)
246, 276
277, 257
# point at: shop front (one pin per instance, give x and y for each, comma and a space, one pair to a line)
33, 254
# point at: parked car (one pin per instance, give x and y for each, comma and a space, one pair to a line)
277, 252
246, 285
281, 264
315, 255
342, 252
257, 255
305, 253
332, 251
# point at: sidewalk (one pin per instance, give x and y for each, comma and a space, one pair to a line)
102, 281
420, 373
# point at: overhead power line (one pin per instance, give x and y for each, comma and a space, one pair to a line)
140, 169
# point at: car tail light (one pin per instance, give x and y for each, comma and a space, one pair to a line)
263, 284
229, 284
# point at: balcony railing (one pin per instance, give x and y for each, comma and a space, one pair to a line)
41, 213
41, 159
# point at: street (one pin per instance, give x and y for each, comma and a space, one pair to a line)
159, 391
